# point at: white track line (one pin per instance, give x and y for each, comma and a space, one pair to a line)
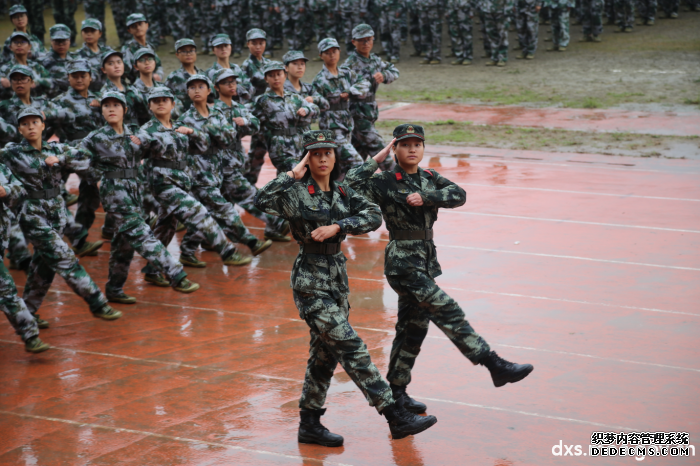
578, 222
579, 192
172, 438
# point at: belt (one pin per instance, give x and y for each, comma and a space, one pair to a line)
411, 234
291, 131
339, 106
44, 193
321, 248
125, 173
367, 99
181, 165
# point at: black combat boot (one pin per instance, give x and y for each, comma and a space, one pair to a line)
403, 423
411, 405
502, 371
312, 431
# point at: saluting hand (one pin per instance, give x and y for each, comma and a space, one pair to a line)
321, 234
382, 154
414, 200
299, 171
184, 130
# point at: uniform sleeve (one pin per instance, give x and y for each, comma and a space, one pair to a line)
7, 132
199, 141
253, 124
244, 89
447, 194
366, 216
221, 133
44, 83
361, 180
258, 112
276, 197
14, 190
56, 114
76, 159
159, 68
359, 86
390, 72
312, 110
320, 101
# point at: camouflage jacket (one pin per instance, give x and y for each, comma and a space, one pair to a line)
389, 190
357, 6
254, 71
8, 132
307, 90
460, 5
55, 115
135, 103
110, 151
38, 49
330, 87
42, 78
27, 164
94, 59
56, 66
129, 48
177, 83
244, 89
233, 156
206, 165
14, 191
85, 117
366, 68
306, 207
144, 115
161, 143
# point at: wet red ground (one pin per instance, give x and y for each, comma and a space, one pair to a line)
583, 265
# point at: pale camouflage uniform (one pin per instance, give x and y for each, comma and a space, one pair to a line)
135, 103
245, 90
94, 59
624, 13
144, 115
232, 22
592, 17
496, 21
350, 14
54, 64
10, 108
293, 22
12, 305
459, 14
179, 17
8, 132
129, 49
177, 83
320, 281
559, 12
41, 77
392, 13
411, 265
528, 24
430, 13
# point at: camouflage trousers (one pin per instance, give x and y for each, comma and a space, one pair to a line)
431, 32
348, 20
333, 340
256, 158
178, 14
560, 27
64, 13
669, 6
210, 25
592, 17
422, 301
88, 203
284, 151
647, 9
151, 10
121, 9
14, 308
459, 24
484, 37
367, 141
225, 215
232, 24
293, 27
134, 234
624, 13
414, 29
496, 24
96, 9
323, 23
51, 256
35, 17
176, 204
18, 251
528, 25
238, 190
390, 32
74, 231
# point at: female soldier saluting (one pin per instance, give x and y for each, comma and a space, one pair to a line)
321, 213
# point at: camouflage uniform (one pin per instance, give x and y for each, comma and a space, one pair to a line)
647, 10
94, 59
41, 77
392, 14
411, 264
244, 88
496, 20
144, 114
592, 17
322, 18
35, 15
293, 25
430, 17
121, 9
14, 308
56, 67
129, 50
459, 15
364, 111
320, 282
64, 13
178, 14
42, 218
559, 12
307, 90
338, 118
351, 13
38, 49
232, 22
414, 28
528, 25
177, 83
135, 102
624, 13
253, 69
210, 23
206, 179
9, 109
153, 17
116, 158
95, 9
7, 132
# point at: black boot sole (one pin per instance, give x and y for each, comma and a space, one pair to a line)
312, 441
418, 430
517, 377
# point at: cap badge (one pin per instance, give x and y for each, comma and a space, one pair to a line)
410, 129
321, 137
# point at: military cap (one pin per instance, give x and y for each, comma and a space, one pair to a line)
293, 55
184, 42
30, 111
327, 43
59, 32
135, 18
19, 34
361, 31
159, 92
21, 69
220, 39
223, 74
317, 139
255, 33
91, 23
198, 77
78, 66
113, 95
143, 51
406, 131
16, 9
273, 66
109, 53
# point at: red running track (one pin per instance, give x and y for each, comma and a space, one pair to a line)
589, 271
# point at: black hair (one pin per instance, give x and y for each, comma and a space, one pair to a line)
335, 173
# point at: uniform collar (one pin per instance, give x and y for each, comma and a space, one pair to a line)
111, 134
75, 94
26, 147
329, 75
401, 176
314, 190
